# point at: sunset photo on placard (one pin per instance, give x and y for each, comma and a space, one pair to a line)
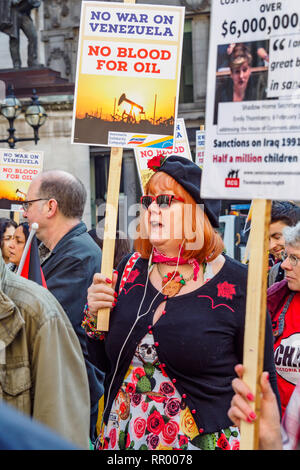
135, 105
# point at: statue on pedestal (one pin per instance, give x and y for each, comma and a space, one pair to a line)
15, 16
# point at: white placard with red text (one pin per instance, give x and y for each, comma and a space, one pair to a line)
252, 147
180, 146
17, 169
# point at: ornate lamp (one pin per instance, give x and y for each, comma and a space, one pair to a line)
35, 116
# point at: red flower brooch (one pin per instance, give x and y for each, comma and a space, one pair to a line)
156, 162
133, 275
227, 290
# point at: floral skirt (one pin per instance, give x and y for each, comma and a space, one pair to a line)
148, 413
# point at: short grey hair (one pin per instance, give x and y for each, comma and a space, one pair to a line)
292, 235
66, 189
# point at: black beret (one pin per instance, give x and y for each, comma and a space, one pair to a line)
188, 175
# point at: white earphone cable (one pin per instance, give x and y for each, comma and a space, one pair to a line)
138, 317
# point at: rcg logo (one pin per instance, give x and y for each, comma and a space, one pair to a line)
233, 174
232, 180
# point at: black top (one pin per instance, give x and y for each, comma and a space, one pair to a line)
199, 339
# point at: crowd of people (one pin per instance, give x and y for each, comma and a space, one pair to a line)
168, 374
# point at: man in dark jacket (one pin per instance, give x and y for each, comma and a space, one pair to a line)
69, 256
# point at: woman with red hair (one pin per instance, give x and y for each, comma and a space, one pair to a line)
176, 325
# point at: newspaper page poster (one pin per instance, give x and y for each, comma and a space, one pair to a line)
128, 73
17, 169
200, 146
252, 140
179, 146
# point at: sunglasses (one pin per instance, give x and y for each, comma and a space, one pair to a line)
162, 200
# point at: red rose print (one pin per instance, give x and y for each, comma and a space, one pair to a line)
137, 374
226, 290
167, 388
152, 441
139, 427
130, 388
183, 440
144, 406
133, 275
136, 399
170, 431
113, 437
155, 422
172, 407
223, 442
235, 445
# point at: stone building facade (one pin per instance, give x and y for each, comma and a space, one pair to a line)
57, 22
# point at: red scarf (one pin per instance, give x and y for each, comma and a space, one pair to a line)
161, 258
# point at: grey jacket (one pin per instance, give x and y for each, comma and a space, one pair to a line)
42, 370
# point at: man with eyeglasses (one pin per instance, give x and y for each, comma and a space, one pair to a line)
283, 303
283, 214
69, 256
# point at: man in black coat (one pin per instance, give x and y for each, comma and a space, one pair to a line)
69, 256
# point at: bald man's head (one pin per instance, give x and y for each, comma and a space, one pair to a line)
65, 188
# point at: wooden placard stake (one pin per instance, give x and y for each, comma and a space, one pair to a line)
254, 338
111, 216
17, 217
110, 226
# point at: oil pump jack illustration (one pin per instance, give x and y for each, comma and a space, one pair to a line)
131, 116
21, 194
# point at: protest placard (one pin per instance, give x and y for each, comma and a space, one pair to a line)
128, 70
17, 168
255, 321
200, 147
178, 146
253, 101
